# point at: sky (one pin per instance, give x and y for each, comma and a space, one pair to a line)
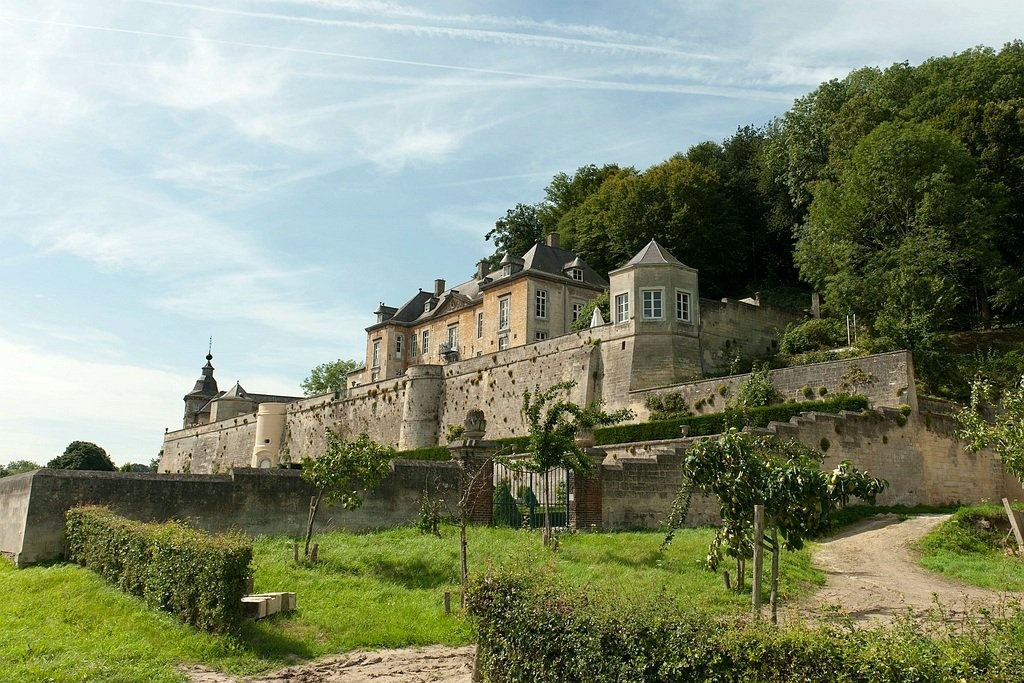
266, 172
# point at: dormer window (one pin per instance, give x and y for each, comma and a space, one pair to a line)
427, 305
506, 270
576, 274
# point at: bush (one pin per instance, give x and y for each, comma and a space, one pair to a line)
532, 631
716, 423
504, 509
197, 577
756, 390
816, 334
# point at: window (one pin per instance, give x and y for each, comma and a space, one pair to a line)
375, 358
577, 308
576, 274
652, 304
399, 342
399, 372
504, 305
480, 325
540, 336
506, 270
683, 306
425, 346
621, 308
502, 342
541, 307
414, 346
375, 376
453, 337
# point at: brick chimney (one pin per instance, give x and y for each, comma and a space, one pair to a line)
438, 287
553, 239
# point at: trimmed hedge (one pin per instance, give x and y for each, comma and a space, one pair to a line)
716, 423
529, 631
197, 577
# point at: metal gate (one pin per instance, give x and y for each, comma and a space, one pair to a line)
520, 496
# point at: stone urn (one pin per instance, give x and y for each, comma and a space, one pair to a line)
474, 425
585, 437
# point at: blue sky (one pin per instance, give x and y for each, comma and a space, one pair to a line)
266, 172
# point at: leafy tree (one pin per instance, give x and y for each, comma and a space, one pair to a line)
553, 423
505, 510
567, 193
17, 467
342, 472
328, 377
601, 301
516, 233
1005, 434
137, 467
743, 470
83, 455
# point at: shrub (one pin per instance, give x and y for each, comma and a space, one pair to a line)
505, 511
530, 631
716, 423
197, 577
667, 406
756, 390
817, 334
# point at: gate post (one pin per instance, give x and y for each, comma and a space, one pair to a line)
475, 458
585, 506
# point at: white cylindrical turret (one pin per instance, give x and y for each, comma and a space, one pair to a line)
270, 417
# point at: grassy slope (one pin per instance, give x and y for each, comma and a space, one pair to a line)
376, 590
962, 549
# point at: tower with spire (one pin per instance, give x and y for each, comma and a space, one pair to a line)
197, 401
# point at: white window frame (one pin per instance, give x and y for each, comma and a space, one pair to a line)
453, 337
502, 342
540, 335
681, 295
480, 325
414, 345
540, 306
577, 308
375, 376
375, 354
622, 307
504, 311
576, 274
652, 303
425, 342
399, 343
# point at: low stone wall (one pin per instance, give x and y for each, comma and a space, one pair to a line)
268, 502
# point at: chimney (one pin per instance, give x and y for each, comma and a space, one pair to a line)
481, 269
438, 287
553, 239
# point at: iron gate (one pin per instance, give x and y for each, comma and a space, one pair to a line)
520, 496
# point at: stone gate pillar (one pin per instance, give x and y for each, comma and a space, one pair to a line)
475, 458
585, 511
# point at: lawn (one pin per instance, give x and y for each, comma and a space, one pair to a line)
384, 589
972, 547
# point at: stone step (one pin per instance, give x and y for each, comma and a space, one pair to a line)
261, 605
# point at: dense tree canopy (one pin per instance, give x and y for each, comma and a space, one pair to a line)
83, 455
17, 467
328, 377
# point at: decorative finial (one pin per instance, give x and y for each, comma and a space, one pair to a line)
209, 350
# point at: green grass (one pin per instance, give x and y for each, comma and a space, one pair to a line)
63, 623
970, 547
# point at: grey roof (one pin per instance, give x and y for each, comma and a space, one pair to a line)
555, 260
235, 392
653, 253
206, 385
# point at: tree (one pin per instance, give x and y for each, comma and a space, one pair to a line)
328, 377
137, 467
340, 469
17, 467
83, 455
600, 302
743, 470
1005, 434
553, 423
514, 234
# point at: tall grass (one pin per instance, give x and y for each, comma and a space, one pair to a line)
972, 547
385, 589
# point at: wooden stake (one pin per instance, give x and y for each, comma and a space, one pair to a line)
758, 557
447, 602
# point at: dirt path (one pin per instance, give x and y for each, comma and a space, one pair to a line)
871, 575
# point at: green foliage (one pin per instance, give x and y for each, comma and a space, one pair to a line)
83, 455
1005, 434
454, 432
17, 467
716, 423
173, 567
815, 334
514, 234
533, 631
667, 406
505, 510
757, 390
587, 312
328, 378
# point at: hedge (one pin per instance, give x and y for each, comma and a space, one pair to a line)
197, 577
716, 423
529, 631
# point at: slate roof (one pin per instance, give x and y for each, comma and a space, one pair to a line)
653, 253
